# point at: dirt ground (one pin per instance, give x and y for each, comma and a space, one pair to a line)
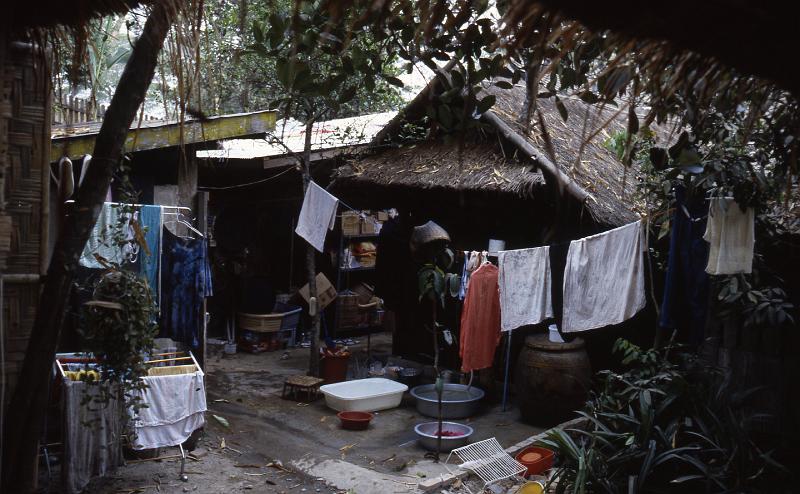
255, 441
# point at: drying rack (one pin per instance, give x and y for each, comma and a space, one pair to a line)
186, 359
488, 460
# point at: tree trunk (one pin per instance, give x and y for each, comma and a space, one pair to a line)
27, 407
311, 256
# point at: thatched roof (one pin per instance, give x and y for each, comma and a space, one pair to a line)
579, 149
74, 13
443, 165
751, 36
588, 171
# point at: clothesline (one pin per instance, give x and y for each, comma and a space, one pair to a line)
141, 205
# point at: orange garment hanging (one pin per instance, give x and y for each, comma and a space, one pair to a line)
480, 320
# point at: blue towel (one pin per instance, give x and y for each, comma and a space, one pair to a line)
151, 220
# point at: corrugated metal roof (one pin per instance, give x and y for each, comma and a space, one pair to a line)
78, 140
289, 137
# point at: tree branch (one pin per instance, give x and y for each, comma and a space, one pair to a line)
27, 408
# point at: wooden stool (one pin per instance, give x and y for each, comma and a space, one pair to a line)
295, 384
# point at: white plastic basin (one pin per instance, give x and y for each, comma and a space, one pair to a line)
364, 395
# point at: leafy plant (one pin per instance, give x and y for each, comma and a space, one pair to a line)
119, 327
430, 281
760, 306
430, 278
663, 426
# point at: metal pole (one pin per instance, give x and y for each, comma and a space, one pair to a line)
508, 364
291, 254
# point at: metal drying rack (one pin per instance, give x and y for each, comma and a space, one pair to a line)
160, 358
488, 460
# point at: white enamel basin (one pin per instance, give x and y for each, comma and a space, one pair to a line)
364, 395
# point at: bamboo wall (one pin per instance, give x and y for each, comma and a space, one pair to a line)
24, 175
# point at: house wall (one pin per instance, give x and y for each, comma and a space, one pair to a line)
471, 218
24, 152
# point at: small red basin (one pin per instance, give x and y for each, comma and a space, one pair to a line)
537, 460
355, 421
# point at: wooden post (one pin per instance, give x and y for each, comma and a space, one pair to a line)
187, 182
311, 256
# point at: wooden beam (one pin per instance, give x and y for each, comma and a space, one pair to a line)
150, 136
547, 166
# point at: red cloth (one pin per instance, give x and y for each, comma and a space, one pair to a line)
480, 320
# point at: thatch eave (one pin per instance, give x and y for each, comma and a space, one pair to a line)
441, 165
72, 13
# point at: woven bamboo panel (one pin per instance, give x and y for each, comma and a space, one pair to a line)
24, 155
26, 159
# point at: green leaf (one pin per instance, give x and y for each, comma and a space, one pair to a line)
222, 420
685, 478
504, 84
588, 97
394, 81
457, 79
486, 103
347, 94
258, 32
444, 116
562, 110
565, 443
633, 121
644, 471
284, 72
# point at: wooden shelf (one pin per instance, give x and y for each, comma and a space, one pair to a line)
362, 268
363, 235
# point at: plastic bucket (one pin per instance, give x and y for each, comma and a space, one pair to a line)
333, 368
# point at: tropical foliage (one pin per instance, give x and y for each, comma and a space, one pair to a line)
669, 423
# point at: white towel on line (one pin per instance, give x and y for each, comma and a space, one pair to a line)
524, 282
175, 406
162, 436
604, 279
731, 237
317, 216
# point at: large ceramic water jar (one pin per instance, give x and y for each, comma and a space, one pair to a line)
552, 379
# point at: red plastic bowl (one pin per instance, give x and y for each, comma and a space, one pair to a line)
355, 421
537, 460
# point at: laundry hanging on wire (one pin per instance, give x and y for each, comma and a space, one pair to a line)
318, 215
603, 282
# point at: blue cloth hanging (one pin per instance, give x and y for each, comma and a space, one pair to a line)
151, 220
685, 301
185, 282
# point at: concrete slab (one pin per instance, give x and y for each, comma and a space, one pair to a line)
246, 389
315, 454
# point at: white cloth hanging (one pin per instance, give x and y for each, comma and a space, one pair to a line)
317, 216
524, 283
730, 233
604, 279
175, 408
102, 239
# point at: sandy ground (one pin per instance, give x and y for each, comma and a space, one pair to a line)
274, 445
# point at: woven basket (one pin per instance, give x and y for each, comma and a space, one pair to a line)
351, 223
428, 233
261, 323
349, 313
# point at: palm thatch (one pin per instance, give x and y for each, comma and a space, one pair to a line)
444, 165
572, 152
750, 36
75, 13
578, 148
